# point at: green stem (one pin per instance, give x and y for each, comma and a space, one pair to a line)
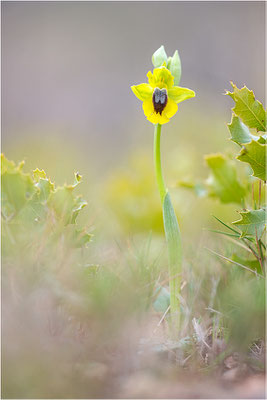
157, 161
173, 237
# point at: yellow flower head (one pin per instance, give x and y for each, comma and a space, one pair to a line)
159, 96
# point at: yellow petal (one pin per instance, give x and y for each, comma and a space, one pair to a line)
161, 78
178, 94
143, 91
170, 109
148, 108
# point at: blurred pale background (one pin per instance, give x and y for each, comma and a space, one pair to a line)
67, 68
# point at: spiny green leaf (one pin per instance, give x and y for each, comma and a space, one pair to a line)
17, 187
240, 133
38, 174
254, 154
6, 165
252, 222
46, 187
248, 262
251, 111
222, 181
65, 204
77, 237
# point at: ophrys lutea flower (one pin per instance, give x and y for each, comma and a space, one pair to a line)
159, 96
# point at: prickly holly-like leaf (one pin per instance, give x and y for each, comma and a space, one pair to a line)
252, 223
77, 237
240, 133
222, 182
254, 154
262, 139
6, 165
46, 187
65, 205
38, 174
251, 111
17, 187
31, 207
247, 262
79, 205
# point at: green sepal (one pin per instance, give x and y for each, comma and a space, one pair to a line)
252, 223
143, 91
159, 57
169, 62
174, 65
179, 94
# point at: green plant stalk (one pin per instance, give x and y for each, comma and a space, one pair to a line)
172, 234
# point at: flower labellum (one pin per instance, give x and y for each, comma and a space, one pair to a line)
160, 97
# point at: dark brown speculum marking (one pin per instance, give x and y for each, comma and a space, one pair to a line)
160, 98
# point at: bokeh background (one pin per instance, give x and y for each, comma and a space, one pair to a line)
70, 327
67, 68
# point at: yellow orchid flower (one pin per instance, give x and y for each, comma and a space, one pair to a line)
159, 96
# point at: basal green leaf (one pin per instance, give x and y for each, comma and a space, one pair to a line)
223, 182
173, 238
240, 133
252, 222
159, 57
254, 154
251, 111
172, 232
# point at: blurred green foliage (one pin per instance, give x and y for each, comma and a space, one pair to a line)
77, 305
